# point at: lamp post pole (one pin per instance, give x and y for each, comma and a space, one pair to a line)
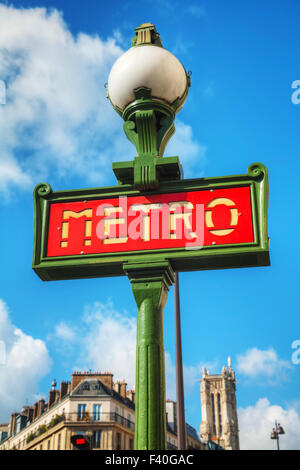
181, 432
150, 286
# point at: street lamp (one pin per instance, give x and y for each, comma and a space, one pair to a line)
275, 433
148, 86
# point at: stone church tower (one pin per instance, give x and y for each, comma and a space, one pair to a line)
218, 406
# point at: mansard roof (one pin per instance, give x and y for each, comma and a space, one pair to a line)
94, 388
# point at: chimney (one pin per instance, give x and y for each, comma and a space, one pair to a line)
131, 395
63, 390
107, 379
30, 413
26, 412
123, 386
52, 396
40, 406
13, 423
35, 410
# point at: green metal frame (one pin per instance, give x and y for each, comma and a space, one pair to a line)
104, 264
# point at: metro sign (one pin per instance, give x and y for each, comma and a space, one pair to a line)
192, 219
196, 224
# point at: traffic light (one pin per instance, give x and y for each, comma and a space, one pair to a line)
81, 442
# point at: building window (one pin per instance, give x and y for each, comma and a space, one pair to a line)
97, 439
118, 446
81, 411
96, 412
117, 414
58, 441
130, 444
48, 445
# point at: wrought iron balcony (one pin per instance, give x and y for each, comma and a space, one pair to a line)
98, 418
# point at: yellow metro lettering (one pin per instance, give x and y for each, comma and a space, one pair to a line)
66, 215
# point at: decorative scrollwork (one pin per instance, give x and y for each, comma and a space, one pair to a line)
129, 125
43, 189
129, 129
256, 170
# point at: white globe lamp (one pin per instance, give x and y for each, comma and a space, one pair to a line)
148, 86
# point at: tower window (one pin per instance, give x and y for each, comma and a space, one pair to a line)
213, 414
220, 414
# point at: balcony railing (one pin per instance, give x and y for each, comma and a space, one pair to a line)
85, 417
94, 418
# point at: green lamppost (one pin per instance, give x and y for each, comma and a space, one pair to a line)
147, 86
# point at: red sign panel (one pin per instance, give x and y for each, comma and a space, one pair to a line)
190, 220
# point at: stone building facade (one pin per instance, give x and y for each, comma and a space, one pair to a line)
91, 404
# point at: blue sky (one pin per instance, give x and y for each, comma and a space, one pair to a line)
57, 126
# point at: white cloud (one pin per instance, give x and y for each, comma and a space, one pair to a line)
64, 332
56, 117
106, 339
57, 121
256, 423
11, 174
192, 155
26, 362
262, 363
109, 343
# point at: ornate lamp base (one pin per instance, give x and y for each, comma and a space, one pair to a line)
147, 174
149, 124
